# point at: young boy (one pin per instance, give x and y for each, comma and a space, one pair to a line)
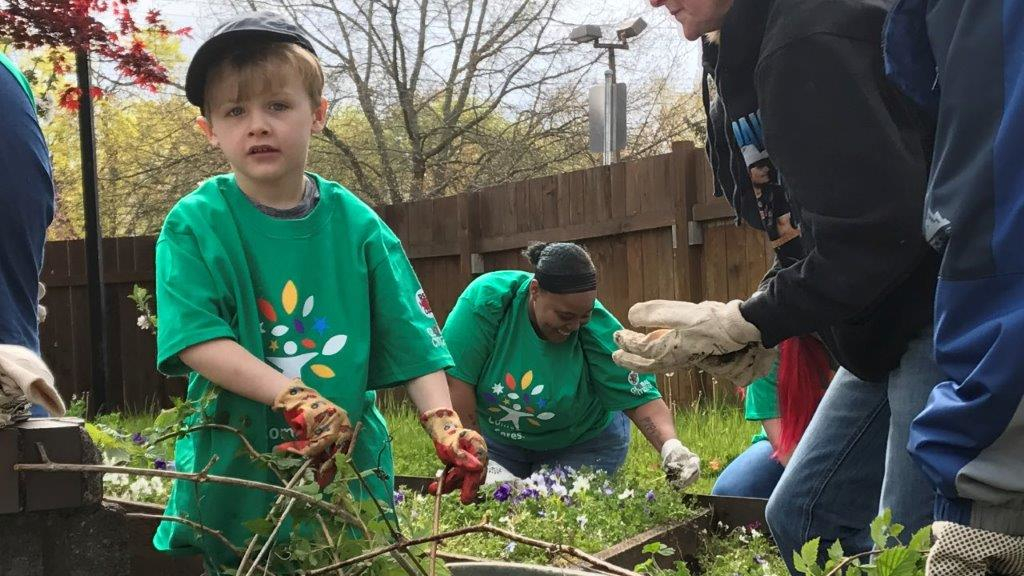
289, 296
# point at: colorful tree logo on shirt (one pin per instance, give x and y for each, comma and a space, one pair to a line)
298, 335
518, 401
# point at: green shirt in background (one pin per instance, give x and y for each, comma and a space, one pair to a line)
532, 393
329, 297
762, 400
13, 69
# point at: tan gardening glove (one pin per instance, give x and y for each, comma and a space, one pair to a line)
320, 427
742, 367
688, 333
681, 466
960, 550
40, 309
463, 450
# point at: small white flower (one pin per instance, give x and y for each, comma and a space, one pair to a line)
626, 494
143, 322
580, 484
582, 520
559, 490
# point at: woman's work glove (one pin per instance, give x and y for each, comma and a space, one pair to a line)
689, 334
463, 450
681, 466
319, 426
960, 550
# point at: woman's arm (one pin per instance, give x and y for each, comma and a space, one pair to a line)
655, 421
463, 398
773, 429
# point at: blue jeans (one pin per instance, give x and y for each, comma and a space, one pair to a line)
606, 451
753, 474
852, 461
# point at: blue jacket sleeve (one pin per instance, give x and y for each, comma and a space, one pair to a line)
968, 438
26, 199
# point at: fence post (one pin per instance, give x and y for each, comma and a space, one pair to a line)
469, 235
684, 184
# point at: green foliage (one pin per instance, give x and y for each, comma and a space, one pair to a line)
890, 557
739, 552
143, 301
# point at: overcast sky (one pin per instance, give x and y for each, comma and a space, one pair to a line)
662, 34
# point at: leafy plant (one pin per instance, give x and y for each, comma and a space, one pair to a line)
890, 556
142, 299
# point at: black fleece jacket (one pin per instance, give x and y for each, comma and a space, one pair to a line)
853, 155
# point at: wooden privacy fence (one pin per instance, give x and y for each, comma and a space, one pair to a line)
652, 226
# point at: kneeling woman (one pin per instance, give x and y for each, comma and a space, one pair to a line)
533, 372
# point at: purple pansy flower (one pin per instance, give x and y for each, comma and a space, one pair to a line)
502, 493
650, 496
160, 464
138, 439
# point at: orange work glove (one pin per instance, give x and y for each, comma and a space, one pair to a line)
320, 428
463, 450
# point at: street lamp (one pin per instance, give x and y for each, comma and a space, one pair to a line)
613, 135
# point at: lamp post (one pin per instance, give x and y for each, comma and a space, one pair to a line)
614, 94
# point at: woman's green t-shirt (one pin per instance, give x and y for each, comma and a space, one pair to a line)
533, 393
762, 400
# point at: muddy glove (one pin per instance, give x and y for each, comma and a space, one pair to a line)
688, 333
463, 450
959, 550
741, 367
681, 466
320, 428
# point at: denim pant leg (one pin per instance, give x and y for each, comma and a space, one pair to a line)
518, 461
753, 474
606, 451
906, 490
831, 487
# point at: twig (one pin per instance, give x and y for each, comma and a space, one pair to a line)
330, 542
270, 539
191, 524
549, 546
253, 453
439, 478
850, 559
415, 567
197, 477
270, 513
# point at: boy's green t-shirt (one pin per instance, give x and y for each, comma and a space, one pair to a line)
530, 392
330, 298
762, 400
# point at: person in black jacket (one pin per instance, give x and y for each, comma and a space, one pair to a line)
804, 78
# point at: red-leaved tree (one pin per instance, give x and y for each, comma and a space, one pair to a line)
77, 26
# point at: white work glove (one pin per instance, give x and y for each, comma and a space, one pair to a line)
681, 466
40, 309
960, 550
688, 334
497, 474
24, 374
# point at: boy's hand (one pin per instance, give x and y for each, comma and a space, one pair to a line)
318, 424
320, 427
462, 449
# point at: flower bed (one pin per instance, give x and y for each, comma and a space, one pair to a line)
589, 511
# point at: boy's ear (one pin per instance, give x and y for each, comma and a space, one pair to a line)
207, 130
320, 116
